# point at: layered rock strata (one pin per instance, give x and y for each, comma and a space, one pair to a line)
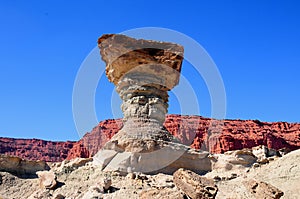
196, 131
37, 149
143, 72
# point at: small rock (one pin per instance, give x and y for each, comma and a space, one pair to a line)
263, 190
255, 165
106, 183
243, 157
233, 175
131, 176
264, 154
271, 159
194, 185
224, 178
263, 161
47, 179
283, 151
217, 178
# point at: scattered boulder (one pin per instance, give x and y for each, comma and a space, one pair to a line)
106, 183
47, 179
243, 157
21, 167
263, 190
263, 153
233, 160
194, 185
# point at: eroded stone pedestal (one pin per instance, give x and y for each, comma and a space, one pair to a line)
143, 72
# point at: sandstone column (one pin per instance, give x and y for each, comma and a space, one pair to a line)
143, 72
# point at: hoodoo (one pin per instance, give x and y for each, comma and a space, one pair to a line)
143, 72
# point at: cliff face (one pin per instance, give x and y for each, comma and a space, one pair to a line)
201, 133
35, 149
216, 136
221, 136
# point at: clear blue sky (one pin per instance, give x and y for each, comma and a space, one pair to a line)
254, 43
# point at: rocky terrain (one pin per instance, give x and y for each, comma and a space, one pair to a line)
248, 173
199, 132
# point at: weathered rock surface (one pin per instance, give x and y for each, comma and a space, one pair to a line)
12, 186
283, 173
270, 179
263, 190
123, 54
232, 164
263, 153
166, 160
243, 157
47, 179
21, 167
248, 188
195, 186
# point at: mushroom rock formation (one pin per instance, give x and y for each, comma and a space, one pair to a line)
143, 72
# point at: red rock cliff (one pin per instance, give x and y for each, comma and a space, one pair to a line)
216, 136
199, 132
36, 149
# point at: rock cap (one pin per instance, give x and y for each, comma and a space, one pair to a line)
124, 55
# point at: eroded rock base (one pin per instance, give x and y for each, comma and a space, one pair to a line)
167, 159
